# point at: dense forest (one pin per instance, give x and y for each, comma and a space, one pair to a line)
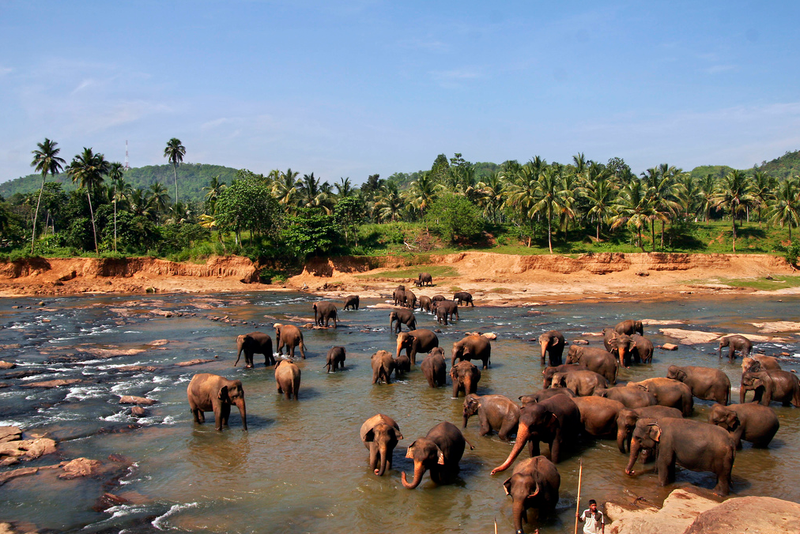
92, 206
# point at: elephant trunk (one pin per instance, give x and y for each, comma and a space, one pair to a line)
742, 393
623, 443
466, 419
242, 412
621, 356
635, 448
238, 355
518, 511
419, 470
373, 456
523, 435
544, 350
384, 453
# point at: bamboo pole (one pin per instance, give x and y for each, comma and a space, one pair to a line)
578, 504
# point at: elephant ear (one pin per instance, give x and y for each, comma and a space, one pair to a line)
439, 456
410, 450
655, 432
370, 435
733, 420
397, 434
223, 393
507, 486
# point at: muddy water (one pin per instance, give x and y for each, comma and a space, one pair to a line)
301, 467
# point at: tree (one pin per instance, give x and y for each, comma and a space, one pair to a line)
349, 213
174, 152
310, 232
523, 196
344, 189
421, 193
45, 161
733, 195
158, 200
633, 209
389, 205
455, 218
599, 195
785, 208
247, 204
88, 169
551, 198
285, 189
312, 194
492, 190
763, 187
213, 191
115, 174
708, 188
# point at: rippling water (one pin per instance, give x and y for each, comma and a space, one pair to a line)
302, 466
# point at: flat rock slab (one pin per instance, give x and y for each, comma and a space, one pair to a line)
8, 475
690, 337
80, 467
679, 511
130, 399
135, 368
196, 361
54, 383
777, 326
748, 514
158, 343
7, 365
112, 353
10, 433
11, 452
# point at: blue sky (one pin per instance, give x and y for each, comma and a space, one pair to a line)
348, 89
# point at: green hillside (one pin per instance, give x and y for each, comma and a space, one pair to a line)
784, 166
192, 178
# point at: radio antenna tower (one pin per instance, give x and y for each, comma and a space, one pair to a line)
127, 167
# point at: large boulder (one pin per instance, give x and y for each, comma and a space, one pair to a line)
748, 514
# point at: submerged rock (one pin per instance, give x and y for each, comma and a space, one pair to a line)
7, 365
80, 467
13, 449
131, 399
48, 384
196, 361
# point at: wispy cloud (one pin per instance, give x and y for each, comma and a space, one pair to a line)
716, 69
455, 77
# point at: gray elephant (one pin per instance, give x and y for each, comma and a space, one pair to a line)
402, 365
539, 396
351, 302
287, 379
583, 383
706, 383
771, 386
472, 347
380, 434
694, 445
598, 360
404, 316
735, 343
760, 362
552, 344
410, 299
495, 412
631, 396
399, 295
424, 279
382, 367
415, 341
289, 336
439, 451
434, 368
465, 377
463, 298
750, 422
208, 392
598, 415
444, 311
631, 349
627, 418
425, 303
668, 392
324, 312
335, 358
549, 372
629, 327
534, 483
254, 343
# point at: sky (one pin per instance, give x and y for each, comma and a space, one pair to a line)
346, 89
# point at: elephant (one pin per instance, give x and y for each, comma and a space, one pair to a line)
583, 383
382, 367
335, 358
534, 483
434, 368
399, 295
627, 418
425, 303
207, 392
410, 299
402, 315
706, 383
608, 336
668, 392
290, 336
549, 372
254, 343
351, 302
694, 445
552, 343
439, 451
629, 327
472, 347
402, 364
324, 311
760, 363
462, 297
287, 378
555, 421
633, 348
750, 422
598, 415
539, 396
495, 412
631, 397
380, 434
415, 341
735, 343
437, 298
445, 310
465, 377
598, 360
771, 386
424, 279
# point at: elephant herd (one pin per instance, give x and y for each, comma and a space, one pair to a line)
581, 398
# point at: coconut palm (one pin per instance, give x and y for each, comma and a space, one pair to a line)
687, 195
344, 189
285, 189
115, 174
45, 161
88, 169
523, 194
661, 189
733, 195
785, 208
599, 195
174, 152
552, 199
763, 186
213, 191
633, 208
708, 188
390, 204
157, 200
312, 194
422, 193
492, 194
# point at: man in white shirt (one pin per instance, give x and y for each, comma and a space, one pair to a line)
592, 519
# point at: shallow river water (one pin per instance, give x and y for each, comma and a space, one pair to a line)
301, 467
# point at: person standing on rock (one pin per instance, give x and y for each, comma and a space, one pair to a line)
592, 519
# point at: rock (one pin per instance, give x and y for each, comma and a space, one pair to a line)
107, 500
642, 273
8, 475
112, 353
162, 313
7, 365
196, 361
748, 514
158, 343
679, 511
668, 346
130, 399
80, 467
580, 341
11, 452
53, 383
10, 433
138, 411
148, 368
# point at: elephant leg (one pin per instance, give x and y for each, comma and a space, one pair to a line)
302, 350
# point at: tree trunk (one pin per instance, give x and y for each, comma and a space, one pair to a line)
36, 213
94, 229
175, 169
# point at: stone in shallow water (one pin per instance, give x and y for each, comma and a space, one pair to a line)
131, 399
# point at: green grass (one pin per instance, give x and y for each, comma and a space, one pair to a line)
412, 272
764, 284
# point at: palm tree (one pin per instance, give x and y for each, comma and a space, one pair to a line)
285, 189
599, 195
633, 208
213, 191
763, 187
344, 189
158, 199
45, 161
523, 194
390, 202
551, 199
708, 188
785, 208
88, 169
115, 174
687, 195
422, 193
733, 194
492, 194
312, 194
660, 187
138, 202
174, 152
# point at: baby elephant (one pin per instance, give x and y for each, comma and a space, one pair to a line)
435, 368
380, 434
207, 392
495, 412
351, 302
382, 367
465, 377
750, 422
534, 483
287, 377
336, 357
439, 451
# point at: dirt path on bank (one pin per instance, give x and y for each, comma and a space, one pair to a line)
496, 279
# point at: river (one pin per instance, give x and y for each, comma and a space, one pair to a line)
301, 467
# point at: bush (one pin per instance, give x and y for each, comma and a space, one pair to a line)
455, 219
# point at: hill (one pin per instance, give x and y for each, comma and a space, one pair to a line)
192, 178
784, 166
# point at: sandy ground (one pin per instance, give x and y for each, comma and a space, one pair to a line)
493, 279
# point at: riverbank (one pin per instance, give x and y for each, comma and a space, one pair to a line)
496, 279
